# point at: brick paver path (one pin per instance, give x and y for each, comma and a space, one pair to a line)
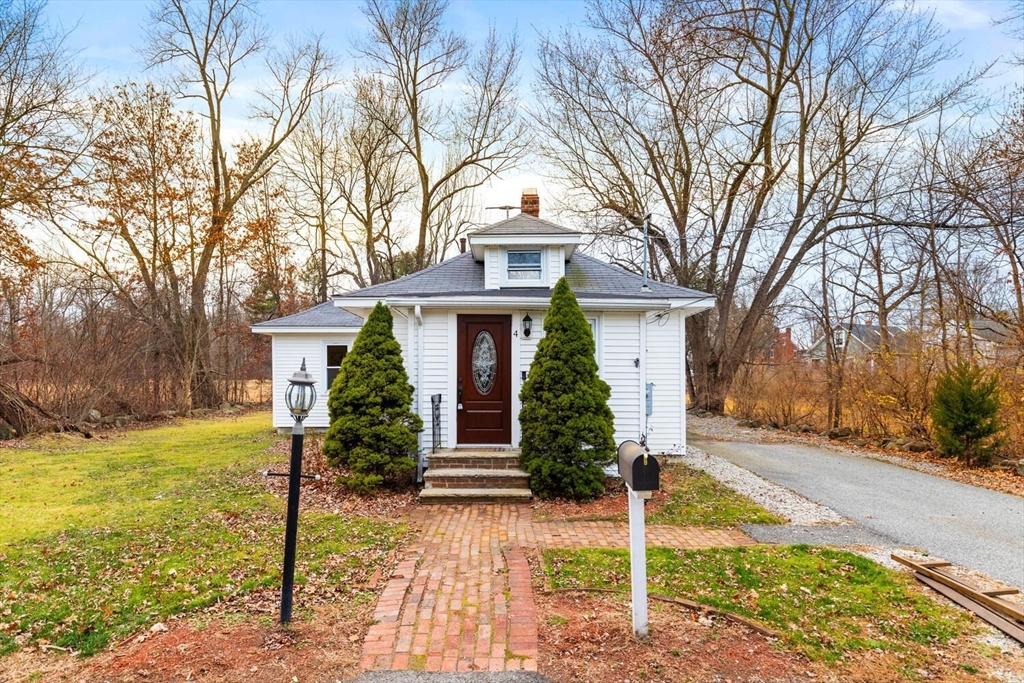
460, 598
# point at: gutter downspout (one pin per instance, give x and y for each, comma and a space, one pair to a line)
421, 463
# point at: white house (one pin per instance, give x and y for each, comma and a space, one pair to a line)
469, 327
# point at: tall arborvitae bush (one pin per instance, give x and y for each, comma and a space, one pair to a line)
373, 428
567, 426
965, 416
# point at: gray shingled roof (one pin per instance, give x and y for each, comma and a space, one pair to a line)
523, 224
463, 276
323, 315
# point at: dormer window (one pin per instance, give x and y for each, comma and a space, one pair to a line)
524, 266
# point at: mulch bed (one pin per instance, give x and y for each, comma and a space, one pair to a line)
612, 504
327, 495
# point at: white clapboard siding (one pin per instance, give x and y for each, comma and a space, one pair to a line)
288, 350
436, 356
492, 268
665, 370
556, 264
620, 344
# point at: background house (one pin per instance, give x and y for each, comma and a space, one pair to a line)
780, 349
856, 341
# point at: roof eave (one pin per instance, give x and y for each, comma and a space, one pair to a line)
477, 243
689, 305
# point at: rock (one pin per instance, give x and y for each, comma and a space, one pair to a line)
806, 429
839, 433
199, 412
225, 406
770, 425
859, 442
1020, 467
168, 413
918, 446
158, 627
120, 421
7, 432
793, 428
94, 415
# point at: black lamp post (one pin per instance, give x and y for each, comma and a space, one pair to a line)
299, 397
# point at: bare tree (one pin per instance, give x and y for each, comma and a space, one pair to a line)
147, 186
455, 144
44, 130
207, 43
745, 128
310, 163
375, 182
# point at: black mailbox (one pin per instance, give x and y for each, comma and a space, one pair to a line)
637, 467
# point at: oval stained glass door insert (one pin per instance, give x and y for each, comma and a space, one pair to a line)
485, 362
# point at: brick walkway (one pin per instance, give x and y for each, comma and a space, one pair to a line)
461, 598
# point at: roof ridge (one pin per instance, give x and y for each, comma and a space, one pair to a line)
521, 216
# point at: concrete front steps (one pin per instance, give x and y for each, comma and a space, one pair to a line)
475, 476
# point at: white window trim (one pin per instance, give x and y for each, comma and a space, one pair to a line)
323, 388
542, 282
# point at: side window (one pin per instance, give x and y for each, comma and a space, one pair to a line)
335, 354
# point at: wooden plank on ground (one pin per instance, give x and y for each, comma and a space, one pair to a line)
1010, 628
1004, 607
1001, 591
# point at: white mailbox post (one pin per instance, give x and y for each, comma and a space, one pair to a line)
641, 472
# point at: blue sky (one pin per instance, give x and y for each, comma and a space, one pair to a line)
106, 33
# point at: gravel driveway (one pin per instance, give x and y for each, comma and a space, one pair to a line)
969, 526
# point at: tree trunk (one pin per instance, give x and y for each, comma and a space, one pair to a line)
203, 389
26, 416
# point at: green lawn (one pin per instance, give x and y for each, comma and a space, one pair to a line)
698, 499
100, 538
824, 602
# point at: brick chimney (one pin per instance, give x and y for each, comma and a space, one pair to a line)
530, 203
462, 245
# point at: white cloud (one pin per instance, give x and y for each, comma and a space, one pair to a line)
956, 14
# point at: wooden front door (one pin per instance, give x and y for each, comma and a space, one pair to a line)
484, 379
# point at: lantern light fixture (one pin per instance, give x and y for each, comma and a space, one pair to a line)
527, 325
300, 394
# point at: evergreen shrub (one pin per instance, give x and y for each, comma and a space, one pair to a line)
373, 428
965, 416
567, 426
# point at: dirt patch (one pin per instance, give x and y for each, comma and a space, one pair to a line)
324, 648
586, 636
